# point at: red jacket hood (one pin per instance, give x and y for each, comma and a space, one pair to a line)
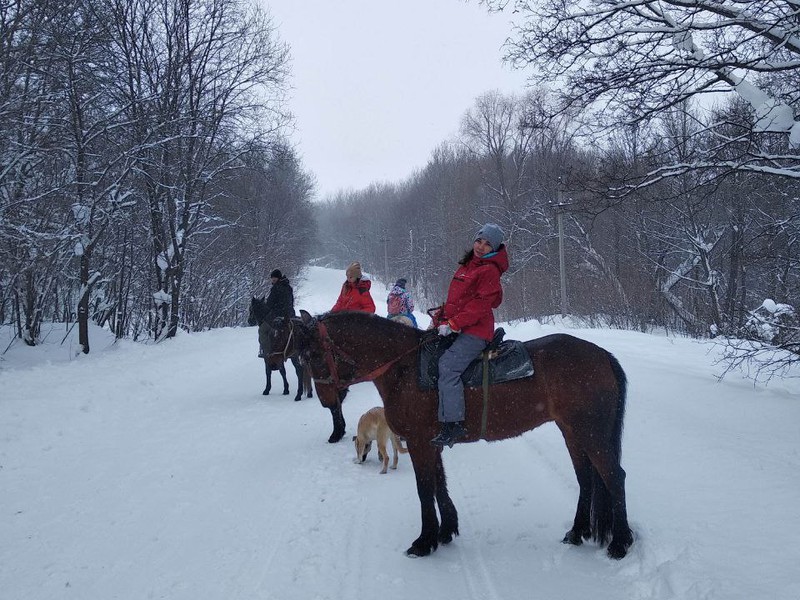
498, 259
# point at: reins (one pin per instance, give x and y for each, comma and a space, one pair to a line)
288, 343
332, 351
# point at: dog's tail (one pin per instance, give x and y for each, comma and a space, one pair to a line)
400, 448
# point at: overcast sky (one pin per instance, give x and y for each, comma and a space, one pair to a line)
378, 84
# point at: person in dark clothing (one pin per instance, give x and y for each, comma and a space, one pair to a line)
474, 292
279, 303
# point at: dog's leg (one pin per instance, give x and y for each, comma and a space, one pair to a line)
395, 443
385, 455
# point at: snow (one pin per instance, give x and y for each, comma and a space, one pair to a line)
160, 471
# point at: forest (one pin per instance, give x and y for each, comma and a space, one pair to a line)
648, 179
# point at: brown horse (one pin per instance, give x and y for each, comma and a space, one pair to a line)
578, 385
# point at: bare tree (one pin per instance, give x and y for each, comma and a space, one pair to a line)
202, 76
630, 61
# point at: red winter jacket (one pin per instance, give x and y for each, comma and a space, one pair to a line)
474, 292
355, 296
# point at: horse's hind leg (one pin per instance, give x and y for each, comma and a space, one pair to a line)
268, 369
608, 469
424, 457
282, 371
601, 508
581, 528
300, 372
447, 509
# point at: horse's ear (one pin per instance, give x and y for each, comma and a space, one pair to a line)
306, 316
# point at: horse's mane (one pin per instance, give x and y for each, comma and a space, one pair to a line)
374, 324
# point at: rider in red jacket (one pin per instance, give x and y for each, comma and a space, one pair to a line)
355, 292
474, 291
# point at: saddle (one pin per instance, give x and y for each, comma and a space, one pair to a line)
506, 360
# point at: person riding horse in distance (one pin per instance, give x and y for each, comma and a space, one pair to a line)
279, 303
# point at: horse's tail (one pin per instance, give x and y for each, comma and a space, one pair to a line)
601, 514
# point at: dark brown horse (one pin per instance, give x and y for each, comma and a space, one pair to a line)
578, 385
278, 344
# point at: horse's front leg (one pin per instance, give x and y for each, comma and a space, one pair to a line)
424, 457
447, 509
282, 371
268, 369
307, 383
338, 420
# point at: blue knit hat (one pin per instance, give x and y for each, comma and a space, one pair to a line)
492, 234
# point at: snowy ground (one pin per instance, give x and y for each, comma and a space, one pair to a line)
160, 471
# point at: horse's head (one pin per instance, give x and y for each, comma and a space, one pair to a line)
346, 348
258, 310
317, 356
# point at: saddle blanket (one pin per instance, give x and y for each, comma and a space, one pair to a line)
507, 362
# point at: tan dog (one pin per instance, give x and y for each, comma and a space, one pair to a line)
372, 426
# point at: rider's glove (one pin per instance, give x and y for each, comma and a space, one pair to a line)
445, 329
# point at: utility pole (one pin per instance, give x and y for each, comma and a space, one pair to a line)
385, 256
561, 262
412, 273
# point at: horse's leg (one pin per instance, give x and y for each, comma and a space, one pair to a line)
268, 369
424, 457
282, 371
602, 488
447, 509
299, 371
338, 420
608, 469
307, 383
581, 529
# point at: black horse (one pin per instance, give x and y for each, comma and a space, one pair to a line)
277, 351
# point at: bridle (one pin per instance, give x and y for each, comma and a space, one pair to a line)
332, 352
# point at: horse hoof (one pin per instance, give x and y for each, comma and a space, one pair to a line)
285, 392
618, 548
617, 551
265, 393
335, 437
298, 398
573, 537
416, 551
310, 395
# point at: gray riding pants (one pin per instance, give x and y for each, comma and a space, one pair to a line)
456, 358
